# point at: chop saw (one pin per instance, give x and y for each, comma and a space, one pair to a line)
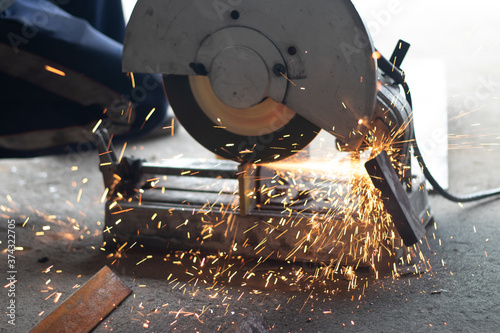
255, 82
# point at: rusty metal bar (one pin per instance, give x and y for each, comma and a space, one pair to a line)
88, 306
192, 167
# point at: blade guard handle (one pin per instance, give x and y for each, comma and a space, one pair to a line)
395, 199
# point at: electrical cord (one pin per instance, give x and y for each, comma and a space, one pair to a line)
463, 198
438, 188
395, 73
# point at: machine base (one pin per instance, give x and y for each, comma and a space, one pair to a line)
189, 218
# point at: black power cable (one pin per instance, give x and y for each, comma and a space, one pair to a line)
395, 73
438, 188
456, 198
463, 198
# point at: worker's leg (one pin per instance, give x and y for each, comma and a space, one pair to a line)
45, 110
104, 15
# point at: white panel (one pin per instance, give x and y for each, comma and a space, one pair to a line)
427, 80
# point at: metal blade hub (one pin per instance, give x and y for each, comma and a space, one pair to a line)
240, 63
239, 77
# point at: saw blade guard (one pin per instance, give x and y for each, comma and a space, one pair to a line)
313, 57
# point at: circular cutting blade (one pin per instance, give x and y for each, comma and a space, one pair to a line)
266, 132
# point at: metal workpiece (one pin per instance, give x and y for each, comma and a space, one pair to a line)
220, 207
230, 233
87, 306
214, 215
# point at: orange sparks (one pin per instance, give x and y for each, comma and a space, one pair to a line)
122, 152
288, 79
9, 284
148, 116
133, 79
54, 70
97, 126
122, 211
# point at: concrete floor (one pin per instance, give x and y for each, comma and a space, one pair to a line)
463, 252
